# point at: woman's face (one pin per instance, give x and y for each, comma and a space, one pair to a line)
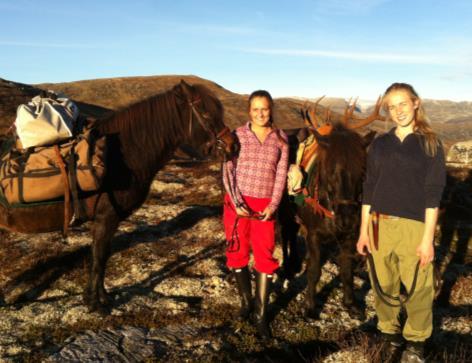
402, 108
259, 111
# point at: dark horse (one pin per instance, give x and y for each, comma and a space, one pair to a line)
140, 140
336, 186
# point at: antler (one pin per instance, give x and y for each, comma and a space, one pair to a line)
360, 122
309, 114
312, 119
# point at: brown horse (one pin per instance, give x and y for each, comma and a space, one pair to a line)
331, 215
140, 140
337, 182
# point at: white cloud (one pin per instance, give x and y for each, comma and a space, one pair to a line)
50, 45
348, 7
210, 28
363, 56
458, 75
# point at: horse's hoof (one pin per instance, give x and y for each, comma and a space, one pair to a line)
355, 312
310, 313
105, 299
86, 299
101, 309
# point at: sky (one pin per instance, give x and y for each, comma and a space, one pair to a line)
304, 48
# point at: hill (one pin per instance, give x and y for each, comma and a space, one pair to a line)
453, 120
97, 97
116, 93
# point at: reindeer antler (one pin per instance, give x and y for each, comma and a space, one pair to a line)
360, 122
304, 113
327, 114
309, 114
312, 119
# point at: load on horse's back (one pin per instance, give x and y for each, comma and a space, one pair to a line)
139, 140
55, 156
330, 165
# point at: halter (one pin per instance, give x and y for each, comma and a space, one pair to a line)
216, 138
319, 209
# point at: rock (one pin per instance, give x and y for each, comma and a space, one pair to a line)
346, 356
460, 153
127, 344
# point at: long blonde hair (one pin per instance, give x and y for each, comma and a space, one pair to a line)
422, 126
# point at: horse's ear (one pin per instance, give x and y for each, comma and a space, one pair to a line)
367, 139
322, 140
187, 89
302, 134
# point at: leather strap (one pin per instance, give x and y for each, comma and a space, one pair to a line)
375, 229
62, 167
79, 213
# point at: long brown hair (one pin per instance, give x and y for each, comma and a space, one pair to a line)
265, 94
422, 126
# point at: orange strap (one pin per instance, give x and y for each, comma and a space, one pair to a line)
62, 167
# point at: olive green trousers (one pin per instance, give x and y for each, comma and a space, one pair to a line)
395, 262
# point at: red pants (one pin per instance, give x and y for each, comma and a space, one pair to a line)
244, 233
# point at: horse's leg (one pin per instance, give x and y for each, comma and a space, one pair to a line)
346, 262
291, 261
313, 273
105, 224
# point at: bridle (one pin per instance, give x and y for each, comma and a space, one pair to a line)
329, 210
216, 138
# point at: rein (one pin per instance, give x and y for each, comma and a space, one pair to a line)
399, 302
216, 137
319, 209
230, 245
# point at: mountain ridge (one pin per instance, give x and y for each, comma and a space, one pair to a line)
96, 97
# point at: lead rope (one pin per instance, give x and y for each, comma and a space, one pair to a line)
234, 241
399, 302
234, 232
382, 294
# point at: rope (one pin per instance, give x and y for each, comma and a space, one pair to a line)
234, 240
378, 289
382, 294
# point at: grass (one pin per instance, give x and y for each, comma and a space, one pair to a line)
297, 339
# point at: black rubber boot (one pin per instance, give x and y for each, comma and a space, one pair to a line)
413, 353
391, 347
243, 282
263, 285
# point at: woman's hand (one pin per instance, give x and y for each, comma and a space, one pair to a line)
242, 211
425, 251
362, 243
266, 214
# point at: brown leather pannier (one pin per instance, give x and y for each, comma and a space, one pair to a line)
33, 176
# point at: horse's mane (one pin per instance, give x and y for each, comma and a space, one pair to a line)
146, 129
138, 120
341, 162
210, 102
149, 130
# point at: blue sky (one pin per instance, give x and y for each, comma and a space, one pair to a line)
300, 48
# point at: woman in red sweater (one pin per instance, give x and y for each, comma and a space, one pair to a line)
254, 182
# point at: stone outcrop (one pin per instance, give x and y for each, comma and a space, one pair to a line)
461, 153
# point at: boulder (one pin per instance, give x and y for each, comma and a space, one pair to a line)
460, 153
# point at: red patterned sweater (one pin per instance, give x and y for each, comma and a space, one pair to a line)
260, 171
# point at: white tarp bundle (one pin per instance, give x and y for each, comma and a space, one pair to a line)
45, 121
